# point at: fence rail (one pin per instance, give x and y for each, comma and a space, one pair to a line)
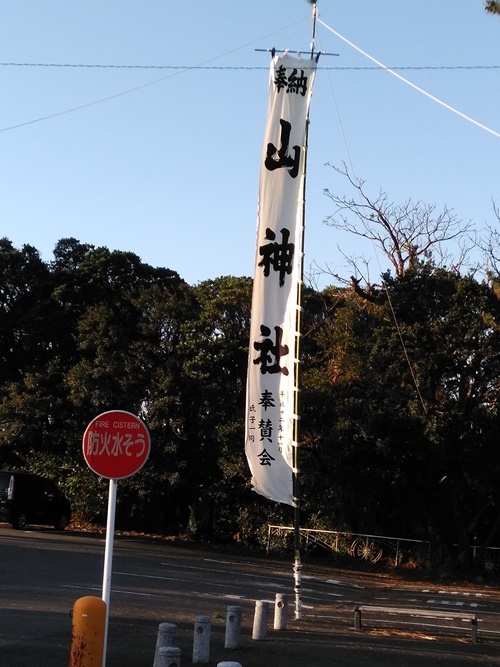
392, 551
369, 548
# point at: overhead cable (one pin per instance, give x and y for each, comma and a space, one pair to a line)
409, 83
246, 67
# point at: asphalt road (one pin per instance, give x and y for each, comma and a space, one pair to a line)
43, 573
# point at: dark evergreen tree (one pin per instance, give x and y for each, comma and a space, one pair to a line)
410, 411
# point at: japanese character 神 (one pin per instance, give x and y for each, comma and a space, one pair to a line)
278, 256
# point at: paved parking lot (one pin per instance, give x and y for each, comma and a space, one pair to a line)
43, 573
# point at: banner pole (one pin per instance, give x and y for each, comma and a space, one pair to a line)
314, 17
297, 567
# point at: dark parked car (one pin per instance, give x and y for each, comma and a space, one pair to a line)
27, 498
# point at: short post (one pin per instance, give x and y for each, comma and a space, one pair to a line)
88, 627
280, 611
357, 618
233, 628
260, 619
474, 630
169, 656
201, 643
165, 637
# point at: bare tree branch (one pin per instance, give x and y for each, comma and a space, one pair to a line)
406, 233
490, 246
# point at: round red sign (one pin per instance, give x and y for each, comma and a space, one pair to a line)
116, 444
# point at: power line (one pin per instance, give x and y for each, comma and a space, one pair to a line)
242, 67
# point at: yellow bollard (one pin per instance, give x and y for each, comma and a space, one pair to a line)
87, 632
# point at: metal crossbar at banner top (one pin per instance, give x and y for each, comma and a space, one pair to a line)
315, 55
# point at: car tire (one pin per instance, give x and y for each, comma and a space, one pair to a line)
61, 522
19, 522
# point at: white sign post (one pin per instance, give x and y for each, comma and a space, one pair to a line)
116, 444
108, 558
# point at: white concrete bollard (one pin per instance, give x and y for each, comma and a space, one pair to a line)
169, 656
228, 664
260, 619
201, 642
166, 637
280, 611
233, 628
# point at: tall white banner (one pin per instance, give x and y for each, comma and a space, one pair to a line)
271, 380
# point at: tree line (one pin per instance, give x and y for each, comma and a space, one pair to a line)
400, 383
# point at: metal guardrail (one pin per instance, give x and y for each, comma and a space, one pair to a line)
487, 559
393, 551
383, 615
368, 548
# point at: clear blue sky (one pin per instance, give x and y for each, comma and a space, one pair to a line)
170, 170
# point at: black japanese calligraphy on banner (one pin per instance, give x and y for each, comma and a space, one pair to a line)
290, 81
271, 351
277, 257
271, 378
282, 158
